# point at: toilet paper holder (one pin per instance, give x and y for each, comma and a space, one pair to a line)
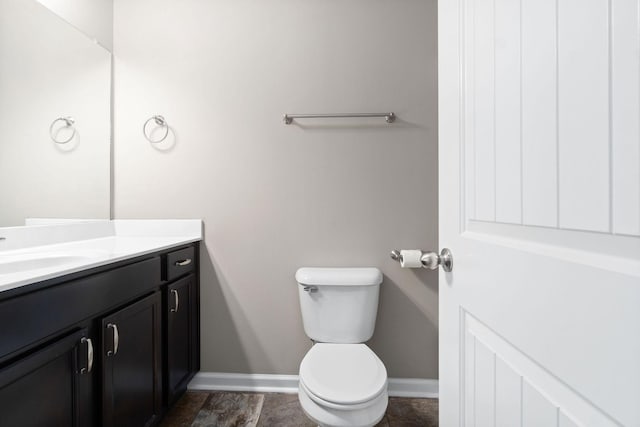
431, 260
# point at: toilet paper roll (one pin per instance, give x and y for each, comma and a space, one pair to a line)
410, 258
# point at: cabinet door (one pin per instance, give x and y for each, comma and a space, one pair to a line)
50, 387
181, 336
131, 368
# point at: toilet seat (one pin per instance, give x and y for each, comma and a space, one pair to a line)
340, 407
342, 376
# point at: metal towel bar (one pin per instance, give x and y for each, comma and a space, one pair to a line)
288, 118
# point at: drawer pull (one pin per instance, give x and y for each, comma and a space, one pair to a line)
176, 299
183, 262
116, 339
89, 344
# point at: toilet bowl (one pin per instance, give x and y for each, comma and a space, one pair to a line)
343, 385
342, 381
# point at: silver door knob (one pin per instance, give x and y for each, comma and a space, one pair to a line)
431, 260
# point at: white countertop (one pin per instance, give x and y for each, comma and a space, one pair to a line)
35, 253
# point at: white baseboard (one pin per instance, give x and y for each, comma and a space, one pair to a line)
413, 387
267, 383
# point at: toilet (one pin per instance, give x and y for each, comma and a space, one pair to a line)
342, 381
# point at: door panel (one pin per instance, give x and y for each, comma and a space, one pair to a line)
552, 102
507, 394
507, 112
131, 368
538, 113
180, 310
539, 209
625, 126
583, 114
46, 388
506, 385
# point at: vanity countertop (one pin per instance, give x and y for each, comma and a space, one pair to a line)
36, 253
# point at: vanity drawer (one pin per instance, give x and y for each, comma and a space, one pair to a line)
180, 263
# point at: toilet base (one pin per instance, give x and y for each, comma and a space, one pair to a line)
329, 417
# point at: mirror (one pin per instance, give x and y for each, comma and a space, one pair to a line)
55, 83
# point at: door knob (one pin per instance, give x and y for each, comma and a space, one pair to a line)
431, 260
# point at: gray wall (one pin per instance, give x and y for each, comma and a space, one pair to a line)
275, 197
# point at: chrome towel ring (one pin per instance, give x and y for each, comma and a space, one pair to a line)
159, 121
68, 123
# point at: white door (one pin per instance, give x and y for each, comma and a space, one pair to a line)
540, 205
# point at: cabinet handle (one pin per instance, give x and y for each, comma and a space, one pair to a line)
183, 262
176, 299
89, 344
116, 339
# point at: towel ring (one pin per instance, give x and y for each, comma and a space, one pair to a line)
160, 121
68, 122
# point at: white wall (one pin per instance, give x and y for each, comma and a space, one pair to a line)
92, 17
47, 70
275, 197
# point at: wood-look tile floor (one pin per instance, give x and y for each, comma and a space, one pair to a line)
225, 409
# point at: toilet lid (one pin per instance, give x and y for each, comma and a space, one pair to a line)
345, 374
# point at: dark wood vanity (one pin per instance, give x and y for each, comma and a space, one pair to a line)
111, 346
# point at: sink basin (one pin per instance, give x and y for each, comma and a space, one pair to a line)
35, 261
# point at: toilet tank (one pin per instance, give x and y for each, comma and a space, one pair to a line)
339, 305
